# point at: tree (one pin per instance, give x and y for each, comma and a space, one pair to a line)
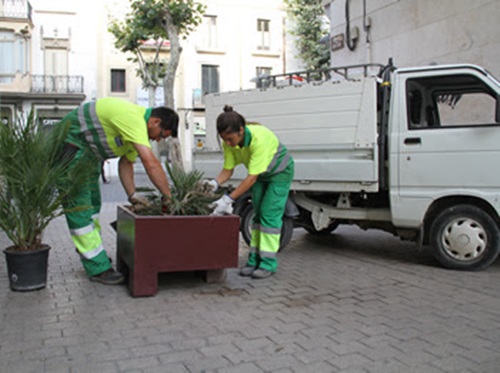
309, 27
129, 38
157, 21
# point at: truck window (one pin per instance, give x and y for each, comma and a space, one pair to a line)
449, 101
466, 109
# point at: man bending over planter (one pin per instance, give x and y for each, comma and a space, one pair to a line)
103, 129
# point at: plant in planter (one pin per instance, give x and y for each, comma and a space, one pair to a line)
34, 179
189, 195
187, 238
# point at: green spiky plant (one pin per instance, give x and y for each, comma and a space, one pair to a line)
34, 179
189, 195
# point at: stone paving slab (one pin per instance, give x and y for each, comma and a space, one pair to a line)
354, 301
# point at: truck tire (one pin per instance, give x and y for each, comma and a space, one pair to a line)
465, 237
246, 224
323, 232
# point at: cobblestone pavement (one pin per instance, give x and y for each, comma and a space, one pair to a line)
354, 301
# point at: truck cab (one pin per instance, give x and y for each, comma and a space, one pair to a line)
443, 146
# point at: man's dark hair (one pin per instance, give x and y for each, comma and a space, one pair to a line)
169, 119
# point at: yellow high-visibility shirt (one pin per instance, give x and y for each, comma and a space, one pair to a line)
259, 147
124, 124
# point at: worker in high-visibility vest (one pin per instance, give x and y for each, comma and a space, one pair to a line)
270, 173
103, 129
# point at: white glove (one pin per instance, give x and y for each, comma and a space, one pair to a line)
138, 199
223, 206
212, 183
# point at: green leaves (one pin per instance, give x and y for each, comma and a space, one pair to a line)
189, 195
34, 180
157, 20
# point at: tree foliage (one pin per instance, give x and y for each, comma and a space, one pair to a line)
157, 21
308, 28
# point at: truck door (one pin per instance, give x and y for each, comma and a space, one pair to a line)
448, 142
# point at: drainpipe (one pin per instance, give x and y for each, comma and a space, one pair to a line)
351, 43
367, 24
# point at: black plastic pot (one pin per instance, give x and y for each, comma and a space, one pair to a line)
27, 270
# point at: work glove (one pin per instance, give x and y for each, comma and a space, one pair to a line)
212, 184
138, 199
223, 206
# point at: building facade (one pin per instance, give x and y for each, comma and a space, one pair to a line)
57, 54
236, 41
415, 33
46, 64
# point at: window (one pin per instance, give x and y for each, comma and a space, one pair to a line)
14, 50
118, 80
209, 79
56, 61
465, 109
449, 101
56, 70
263, 34
209, 32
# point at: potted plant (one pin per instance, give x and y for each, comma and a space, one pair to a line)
34, 179
185, 238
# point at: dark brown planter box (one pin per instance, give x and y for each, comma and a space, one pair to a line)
149, 245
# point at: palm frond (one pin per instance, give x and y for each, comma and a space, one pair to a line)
34, 179
189, 195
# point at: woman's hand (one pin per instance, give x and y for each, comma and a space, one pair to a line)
223, 206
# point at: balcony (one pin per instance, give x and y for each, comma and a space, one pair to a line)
65, 84
15, 9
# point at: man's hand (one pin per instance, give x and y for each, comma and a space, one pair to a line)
212, 184
153, 168
223, 206
138, 199
164, 205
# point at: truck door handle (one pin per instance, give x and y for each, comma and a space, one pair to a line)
413, 140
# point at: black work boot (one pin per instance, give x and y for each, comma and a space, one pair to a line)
109, 277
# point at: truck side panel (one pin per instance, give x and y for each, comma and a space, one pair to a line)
330, 129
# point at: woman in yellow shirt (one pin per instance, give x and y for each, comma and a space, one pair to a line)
270, 173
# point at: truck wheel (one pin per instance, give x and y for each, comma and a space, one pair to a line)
246, 227
323, 232
465, 237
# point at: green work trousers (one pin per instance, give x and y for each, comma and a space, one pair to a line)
83, 219
269, 196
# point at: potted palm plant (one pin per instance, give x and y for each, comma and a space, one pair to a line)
176, 235
35, 177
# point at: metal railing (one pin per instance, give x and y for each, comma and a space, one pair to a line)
57, 84
19, 9
308, 76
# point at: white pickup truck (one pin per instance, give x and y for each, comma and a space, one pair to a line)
412, 151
